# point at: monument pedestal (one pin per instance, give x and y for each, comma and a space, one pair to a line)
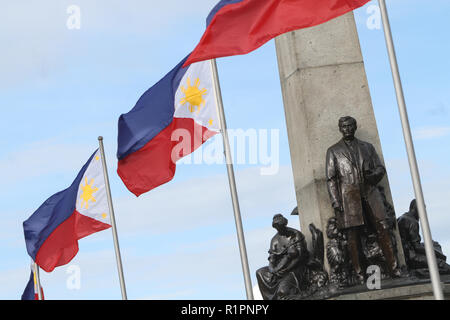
398, 289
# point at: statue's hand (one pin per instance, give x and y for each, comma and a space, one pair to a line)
271, 268
280, 273
373, 176
339, 211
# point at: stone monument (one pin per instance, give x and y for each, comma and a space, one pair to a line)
322, 79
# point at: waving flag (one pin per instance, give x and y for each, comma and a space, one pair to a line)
53, 230
31, 290
170, 120
241, 26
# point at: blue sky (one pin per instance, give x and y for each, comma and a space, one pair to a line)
60, 89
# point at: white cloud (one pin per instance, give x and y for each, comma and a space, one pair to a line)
257, 293
203, 201
41, 158
184, 271
158, 264
435, 188
53, 156
14, 281
432, 132
40, 44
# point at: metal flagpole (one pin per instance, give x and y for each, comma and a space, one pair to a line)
113, 221
37, 279
429, 249
232, 181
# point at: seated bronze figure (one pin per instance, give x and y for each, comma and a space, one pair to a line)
288, 255
414, 250
293, 272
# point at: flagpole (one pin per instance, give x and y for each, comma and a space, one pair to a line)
232, 182
113, 221
37, 278
429, 249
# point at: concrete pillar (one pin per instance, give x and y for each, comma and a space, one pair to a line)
323, 78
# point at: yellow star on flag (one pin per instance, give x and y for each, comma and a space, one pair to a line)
87, 193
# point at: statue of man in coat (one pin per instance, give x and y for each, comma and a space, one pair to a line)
353, 170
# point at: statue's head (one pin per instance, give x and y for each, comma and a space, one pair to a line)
413, 209
320, 279
347, 126
332, 228
279, 222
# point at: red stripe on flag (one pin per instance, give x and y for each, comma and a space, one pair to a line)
62, 244
154, 164
242, 27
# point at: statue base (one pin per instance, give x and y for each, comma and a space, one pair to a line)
396, 289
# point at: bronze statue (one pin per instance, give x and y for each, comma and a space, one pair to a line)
288, 255
414, 250
337, 255
353, 170
293, 271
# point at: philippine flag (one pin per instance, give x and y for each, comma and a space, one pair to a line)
241, 26
31, 291
170, 120
53, 230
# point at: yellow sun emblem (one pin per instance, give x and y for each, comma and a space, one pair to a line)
193, 95
88, 190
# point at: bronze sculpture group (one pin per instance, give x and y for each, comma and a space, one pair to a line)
360, 233
292, 270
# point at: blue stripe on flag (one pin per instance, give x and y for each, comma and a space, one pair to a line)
219, 6
54, 211
152, 113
